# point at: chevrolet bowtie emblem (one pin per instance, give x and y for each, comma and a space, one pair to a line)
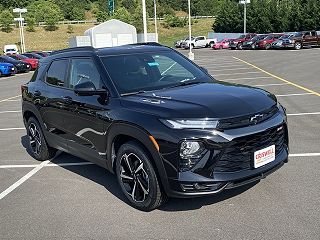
256, 118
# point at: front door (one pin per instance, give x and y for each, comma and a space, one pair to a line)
86, 121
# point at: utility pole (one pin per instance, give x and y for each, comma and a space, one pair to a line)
155, 19
245, 17
191, 54
144, 14
21, 24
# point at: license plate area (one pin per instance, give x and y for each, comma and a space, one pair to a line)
264, 156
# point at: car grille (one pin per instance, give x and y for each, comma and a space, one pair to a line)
245, 121
238, 154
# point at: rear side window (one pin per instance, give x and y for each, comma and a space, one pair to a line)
56, 73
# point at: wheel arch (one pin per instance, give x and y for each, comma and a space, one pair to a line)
121, 133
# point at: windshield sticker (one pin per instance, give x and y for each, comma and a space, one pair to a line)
153, 64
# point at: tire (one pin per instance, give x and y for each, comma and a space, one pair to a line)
0, 74
211, 44
297, 45
37, 144
239, 46
267, 46
192, 45
137, 177
221, 47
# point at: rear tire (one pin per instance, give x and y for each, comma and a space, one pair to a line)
211, 44
0, 74
137, 177
37, 144
239, 46
268, 46
297, 45
221, 47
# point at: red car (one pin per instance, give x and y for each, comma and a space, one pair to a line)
223, 44
32, 61
267, 41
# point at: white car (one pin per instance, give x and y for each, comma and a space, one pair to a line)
199, 42
10, 49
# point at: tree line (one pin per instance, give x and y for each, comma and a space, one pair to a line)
262, 15
265, 16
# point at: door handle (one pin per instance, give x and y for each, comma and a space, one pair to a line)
37, 93
67, 99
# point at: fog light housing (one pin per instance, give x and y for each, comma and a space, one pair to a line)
190, 154
191, 149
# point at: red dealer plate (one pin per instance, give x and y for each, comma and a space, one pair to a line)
264, 156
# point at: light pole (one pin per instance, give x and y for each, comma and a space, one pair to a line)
155, 19
20, 20
191, 54
244, 2
144, 14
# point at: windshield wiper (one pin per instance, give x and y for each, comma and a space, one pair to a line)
132, 93
185, 83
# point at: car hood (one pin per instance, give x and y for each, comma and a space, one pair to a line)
6, 64
206, 100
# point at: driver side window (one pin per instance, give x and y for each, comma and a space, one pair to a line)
84, 70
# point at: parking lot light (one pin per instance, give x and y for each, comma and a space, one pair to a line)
191, 54
144, 15
21, 20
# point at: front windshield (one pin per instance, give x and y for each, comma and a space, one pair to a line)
138, 72
298, 34
242, 36
270, 37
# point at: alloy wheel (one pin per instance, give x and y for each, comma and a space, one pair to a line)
34, 139
134, 177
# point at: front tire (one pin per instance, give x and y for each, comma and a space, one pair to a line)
239, 46
137, 177
268, 46
37, 144
297, 46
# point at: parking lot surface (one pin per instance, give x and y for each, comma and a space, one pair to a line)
69, 198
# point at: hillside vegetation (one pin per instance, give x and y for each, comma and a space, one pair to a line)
58, 39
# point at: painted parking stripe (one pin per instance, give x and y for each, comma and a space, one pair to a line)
12, 129
23, 179
305, 155
229, 69
294, 94
238, 79
229, 74
48, 165
279, 78
6, 99
303, 114
271, 84
18, 111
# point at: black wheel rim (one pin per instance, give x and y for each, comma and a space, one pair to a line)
134, 177
34, 138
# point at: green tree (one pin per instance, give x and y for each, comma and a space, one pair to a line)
122, 14
46, 11
229, 18
31, 22
6, 19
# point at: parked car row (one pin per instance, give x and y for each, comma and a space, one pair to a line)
296, 40
13, 63
195, 42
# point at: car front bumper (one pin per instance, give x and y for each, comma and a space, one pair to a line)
206, 176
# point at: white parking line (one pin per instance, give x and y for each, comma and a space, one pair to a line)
47, 165
294, 94
11, 129
230, 69
228, 74
303, 114
6, 99
304, 155
23, 179
237, 79
271, 84
18, 111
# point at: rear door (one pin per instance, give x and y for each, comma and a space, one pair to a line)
200, 42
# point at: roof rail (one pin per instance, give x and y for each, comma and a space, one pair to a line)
86, 48
148, 43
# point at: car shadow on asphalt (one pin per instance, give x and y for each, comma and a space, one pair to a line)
108, 180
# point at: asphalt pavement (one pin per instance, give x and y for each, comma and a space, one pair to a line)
70, 198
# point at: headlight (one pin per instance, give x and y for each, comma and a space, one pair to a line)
190, 123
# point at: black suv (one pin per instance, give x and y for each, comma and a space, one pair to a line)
161, 123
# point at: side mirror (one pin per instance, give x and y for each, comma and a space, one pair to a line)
88, 89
